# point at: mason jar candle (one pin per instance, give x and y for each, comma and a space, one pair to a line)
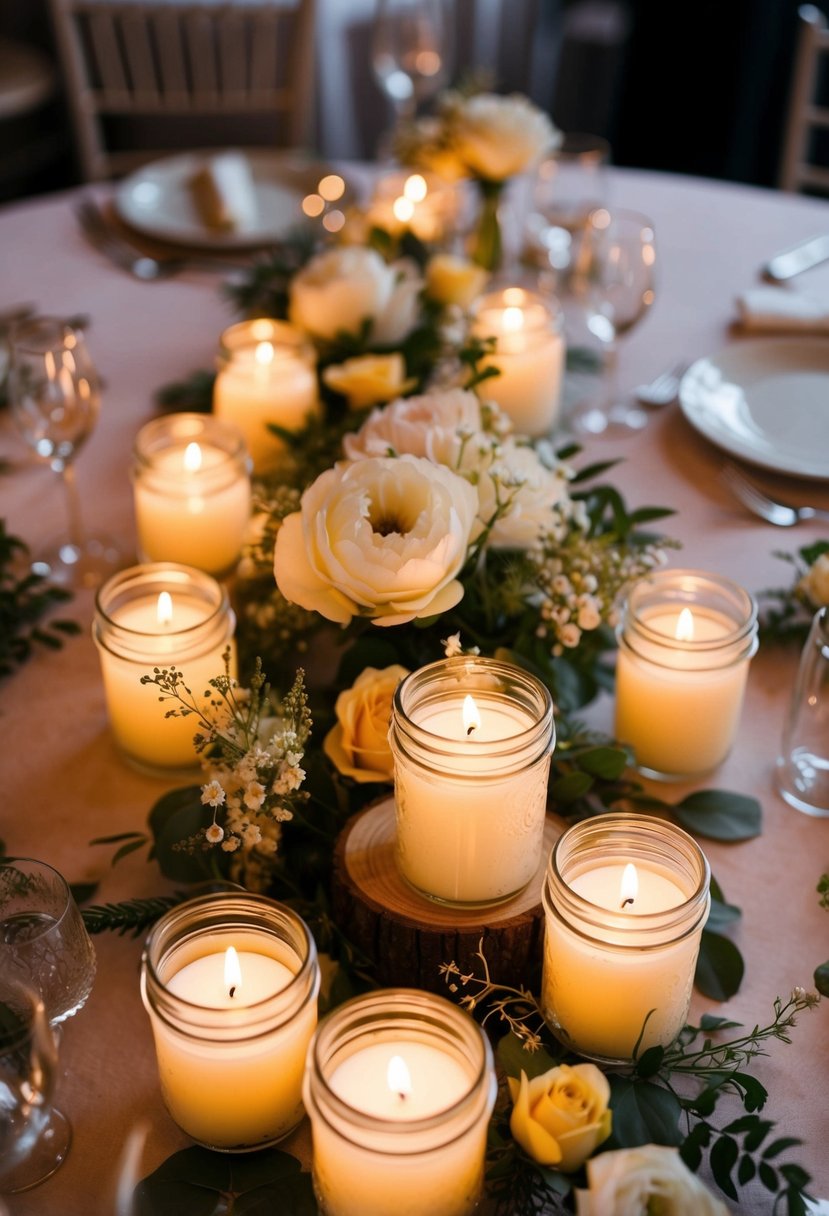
230, 983
685, 641
159, 615
472, 740
528, 355
399, 1087
191, 490
626, 898
267, 375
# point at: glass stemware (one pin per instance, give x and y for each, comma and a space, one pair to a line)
410, 52
570, 184
34, 1137
614, 278
43, 940
54, 394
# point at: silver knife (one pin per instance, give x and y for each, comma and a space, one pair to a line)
800, 257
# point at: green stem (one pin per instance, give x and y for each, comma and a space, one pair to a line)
488, 251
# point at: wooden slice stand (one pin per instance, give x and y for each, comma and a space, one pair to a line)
408, 935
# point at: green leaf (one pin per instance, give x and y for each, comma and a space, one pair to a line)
795, 1175
643, 1113
720, 967
197, 1182
746, 1169
779, 1146
720, 815
650, 1061
129, 847
710, 1021
768, 1177
723, 1157
822, 979
570, 787
721, 915
176, 816
81, 891
514, 1058
606, 762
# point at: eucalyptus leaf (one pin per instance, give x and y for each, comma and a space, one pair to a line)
822, 979
720, 815
514, 1058
643, 1113
720, 967
176, 816
606, 762
570, 787
721, 915
197, 1182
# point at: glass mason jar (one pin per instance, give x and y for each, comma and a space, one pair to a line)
267, 376
399, 1087
159, 616
685, 641
803, 763
470, 799
191, 489
231, 1053
528, 354
625, 899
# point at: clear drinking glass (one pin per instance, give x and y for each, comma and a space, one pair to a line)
34, 1137
614, 278
43, 940
54, 394
569, 185
803, 763
411, 52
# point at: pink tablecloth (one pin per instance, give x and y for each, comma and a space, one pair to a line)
64, 784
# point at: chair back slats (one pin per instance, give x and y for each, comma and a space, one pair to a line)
805, 113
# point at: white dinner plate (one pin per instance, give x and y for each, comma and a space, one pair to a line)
156, 200
765, 401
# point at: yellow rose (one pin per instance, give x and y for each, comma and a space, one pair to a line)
369, 379
454, 280
561, 1117
358, 745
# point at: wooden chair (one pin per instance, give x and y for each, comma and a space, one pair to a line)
136, 72
806, 116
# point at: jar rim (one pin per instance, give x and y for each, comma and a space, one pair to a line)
250, 332
680, 587
153, 578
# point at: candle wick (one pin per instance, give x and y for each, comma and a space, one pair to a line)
470, 729
233, 991
627, 901
401, 1096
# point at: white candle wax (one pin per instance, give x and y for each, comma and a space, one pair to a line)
355, 1181
264, 384
473, 834
229, 1092
529, 357
187, 514
601, 991
679, 715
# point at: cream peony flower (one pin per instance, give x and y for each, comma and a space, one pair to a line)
424, 425
359, 744
369, 379
338, 290
533, 492
815, 582
382, 537
637, 1181
497, 137
451, 279
561, 1117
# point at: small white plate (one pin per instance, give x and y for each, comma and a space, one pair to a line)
765, 401
156, 200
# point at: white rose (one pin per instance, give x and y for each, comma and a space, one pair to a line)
416, 426
815, 582
532, 490
636, 1181
381, 537
497, 137
337, 291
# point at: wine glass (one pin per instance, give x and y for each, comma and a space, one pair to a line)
410, 52
614, 278
54, 394
43, 940
34, 1136
569, 185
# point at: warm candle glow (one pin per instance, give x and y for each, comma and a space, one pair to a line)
471, 717
264, 353
192, 458
398, 1077
403, 209
685, 626
513, 319
233, 972
164, 608
629, 886
415, 188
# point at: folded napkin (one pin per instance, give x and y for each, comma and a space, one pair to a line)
224, 193
782, 310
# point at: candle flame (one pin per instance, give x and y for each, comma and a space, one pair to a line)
685, 626
403, 209
264, 353
415, 188
398, 1077
192, 458
629, 888
513, 319
233, 972
471, 717
165, 608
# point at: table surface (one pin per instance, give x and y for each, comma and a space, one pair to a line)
64, 783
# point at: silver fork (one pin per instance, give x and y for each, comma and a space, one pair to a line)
781, 514
662, 390
100, 234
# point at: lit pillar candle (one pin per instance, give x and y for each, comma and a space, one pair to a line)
685, 641
528, 356
472, 740
231, 1033
192, 496
159, 615
424, 205
626, 899
267, 375
399, 1087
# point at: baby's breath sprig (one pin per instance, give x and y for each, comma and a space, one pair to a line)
517, 1007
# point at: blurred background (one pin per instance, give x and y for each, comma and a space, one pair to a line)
699, 89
